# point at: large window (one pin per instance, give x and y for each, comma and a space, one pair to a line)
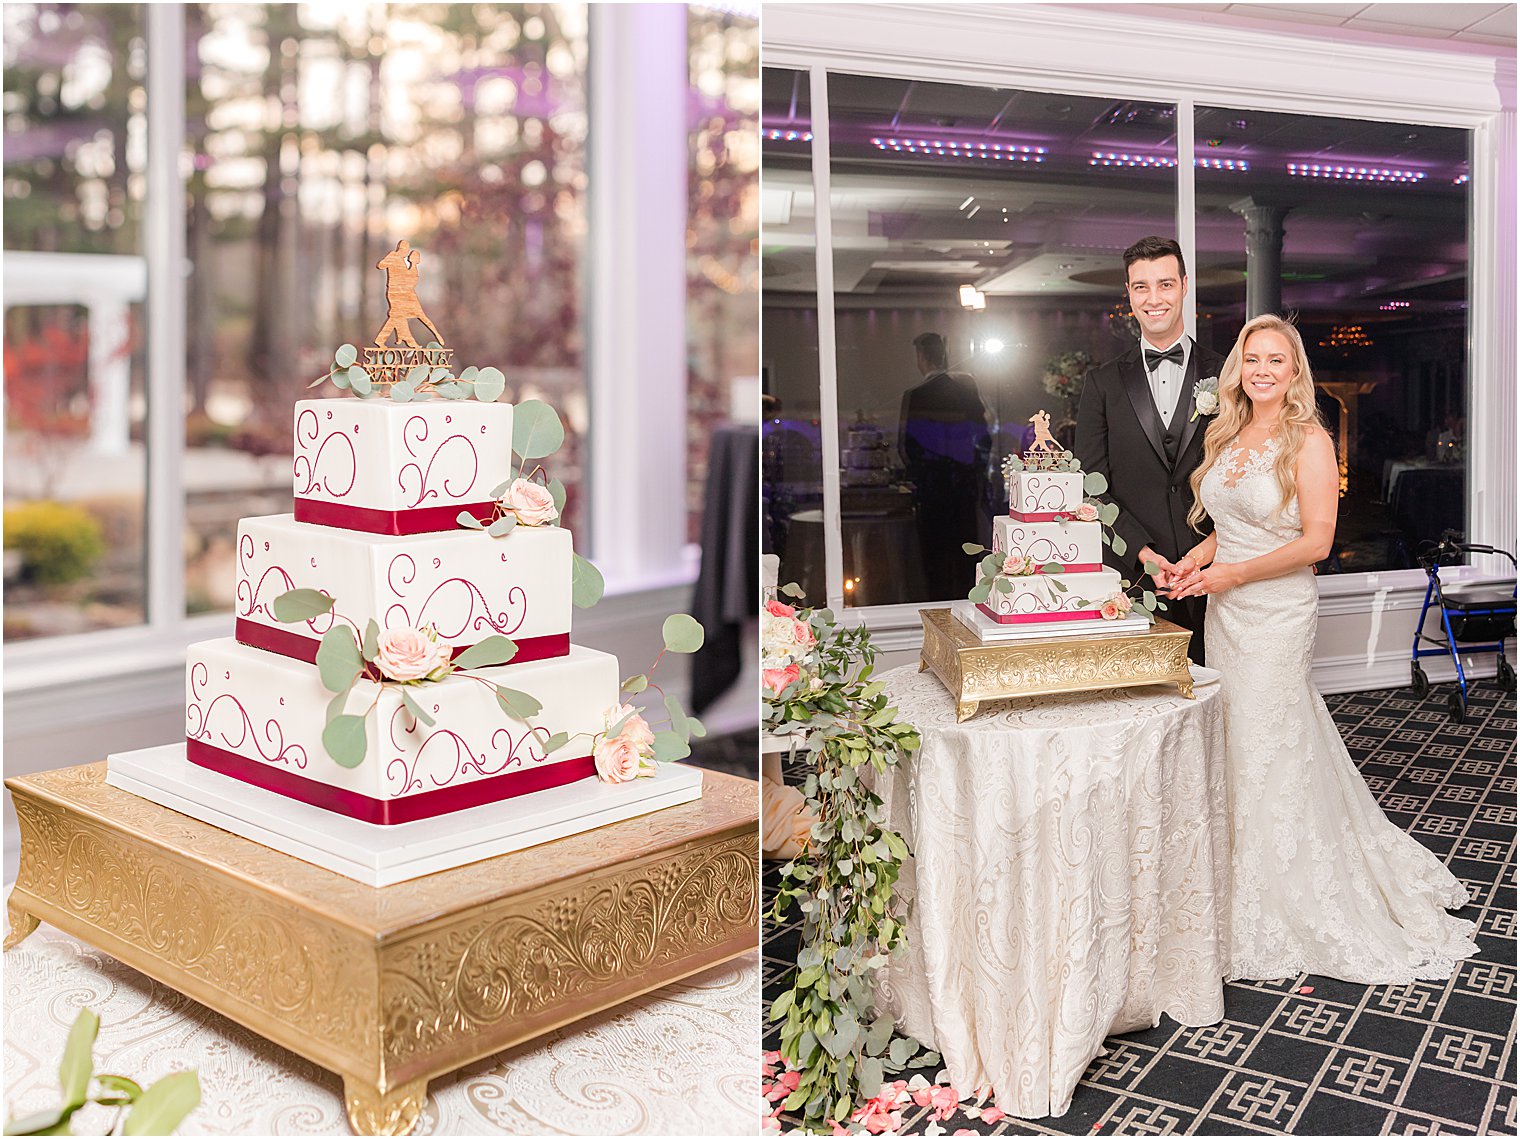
75, 281
313, 138
320, 135
722, 239
991, 219
1358, 230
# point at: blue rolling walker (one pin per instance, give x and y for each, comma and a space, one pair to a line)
1482, 612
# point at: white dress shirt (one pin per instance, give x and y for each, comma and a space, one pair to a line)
1166, 377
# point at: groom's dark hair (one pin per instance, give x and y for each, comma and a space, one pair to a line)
1152, 249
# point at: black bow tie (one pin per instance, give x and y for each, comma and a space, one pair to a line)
1174, 354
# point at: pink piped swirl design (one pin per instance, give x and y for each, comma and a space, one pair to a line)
447, 600
1041, 496
308, 431
1041, 550
455, 486
453, 760
234, 733
251, 599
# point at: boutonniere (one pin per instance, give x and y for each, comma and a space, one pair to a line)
1206, 397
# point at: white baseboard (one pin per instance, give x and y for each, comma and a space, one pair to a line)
1391, 670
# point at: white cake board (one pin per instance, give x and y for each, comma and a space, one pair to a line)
989, 631
384, 855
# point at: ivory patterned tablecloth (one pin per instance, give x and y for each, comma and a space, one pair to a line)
682, 1060
1069, 879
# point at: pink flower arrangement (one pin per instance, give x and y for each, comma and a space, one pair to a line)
532, 504
630, 753
1087, 512
778, 609
776, 679
410, 655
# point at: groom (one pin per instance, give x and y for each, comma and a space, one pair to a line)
1136, 424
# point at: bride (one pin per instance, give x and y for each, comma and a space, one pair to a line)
1322, 882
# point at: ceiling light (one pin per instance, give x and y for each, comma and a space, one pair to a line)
994, 345
1354, 173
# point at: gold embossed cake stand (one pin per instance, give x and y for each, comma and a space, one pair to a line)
390, 987
974, 670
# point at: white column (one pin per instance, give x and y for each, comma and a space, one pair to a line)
636, 273
164, 248
1264, 244
110, 375
1491, 409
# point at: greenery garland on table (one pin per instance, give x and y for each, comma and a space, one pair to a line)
817, 677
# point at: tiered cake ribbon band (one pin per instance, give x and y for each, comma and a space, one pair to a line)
1039, 516
422, 520
298, 647
1022, 618
387, 812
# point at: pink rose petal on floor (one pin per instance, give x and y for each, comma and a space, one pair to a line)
1306, 990
993, 1114
964, 1131
790, 1080
838, 1130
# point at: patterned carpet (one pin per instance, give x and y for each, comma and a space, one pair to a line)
1425, 1059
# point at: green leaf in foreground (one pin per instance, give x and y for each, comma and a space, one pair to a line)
502, 526
1119, 546
416, 709
494, 650
358, 380
973, 548
345, 356
792, 589
338, 658
163, 1106
345, 740
469, 521
78, 1064
669, 746
682, 632
557, 493
517, 704
555, 742
635, 684
49, 1121
1094, 483
489, 384
679, 724
301, 605
371, 647
586, 584
536, 429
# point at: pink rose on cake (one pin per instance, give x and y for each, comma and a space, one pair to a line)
1014, 565
532, 504
410, 655
630, 753
1109, 609
1087, 512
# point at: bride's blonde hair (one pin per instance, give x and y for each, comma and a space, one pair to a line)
1299, 413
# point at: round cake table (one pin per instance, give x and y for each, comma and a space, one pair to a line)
1069, 880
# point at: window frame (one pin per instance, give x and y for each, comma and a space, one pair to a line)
637, 475
1110, 54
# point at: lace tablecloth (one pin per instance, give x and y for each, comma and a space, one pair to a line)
1069, 881
681, 1061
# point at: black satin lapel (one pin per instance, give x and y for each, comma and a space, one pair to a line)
1132, 371
1185, 403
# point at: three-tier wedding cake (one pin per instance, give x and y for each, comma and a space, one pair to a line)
1045, 574
401, 649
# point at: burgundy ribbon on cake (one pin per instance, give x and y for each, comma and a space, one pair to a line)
1021, 618
299, 647
423, 520
1044, 516
388, 812
1074, 567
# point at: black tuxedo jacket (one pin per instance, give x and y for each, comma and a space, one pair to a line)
1147, 463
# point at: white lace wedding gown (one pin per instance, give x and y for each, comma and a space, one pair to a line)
1322, 882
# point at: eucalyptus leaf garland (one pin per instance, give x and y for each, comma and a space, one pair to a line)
843, 882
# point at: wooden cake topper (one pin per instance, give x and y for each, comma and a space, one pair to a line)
389, 365
1044, 451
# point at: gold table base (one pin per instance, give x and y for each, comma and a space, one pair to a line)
390, 987
974, 671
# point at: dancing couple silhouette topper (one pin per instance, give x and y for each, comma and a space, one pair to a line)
401, 267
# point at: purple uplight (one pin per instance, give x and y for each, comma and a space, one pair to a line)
1354, 173
775, 135
955, 148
